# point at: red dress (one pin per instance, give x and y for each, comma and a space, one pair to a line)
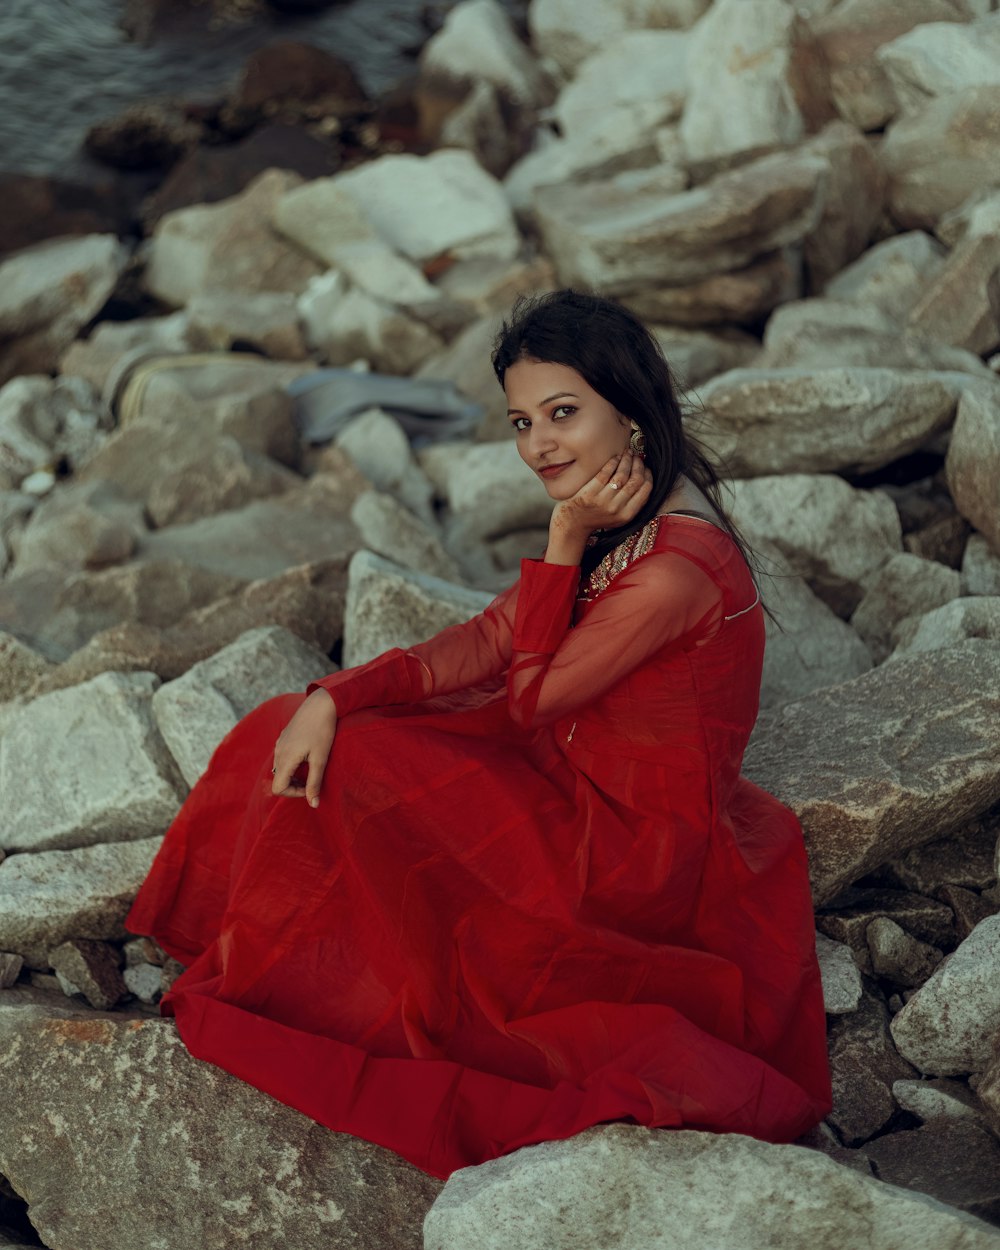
536, 894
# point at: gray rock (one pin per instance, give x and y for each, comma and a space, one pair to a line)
466, 362
891, 276
196, 711
948, 1027
694, 356
377, 445
980, 568
20, 667
393, 531
895, 758
388, 606
939, 155
831, 534
965, 859
976, 216
864, 1066
904, 586
87, 765
268, 321
598, 1189
228, 247
143, 980
977, 616
937, 1097
629, 233
51, 896
490, 492
242, 1169
842, 986
27, 430
973, 462
846, 918
82, 525
821, 420
94, 358
10, 968
897, 956
92, 967
48, 292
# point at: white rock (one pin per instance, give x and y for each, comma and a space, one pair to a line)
196, 711
51, 896
622, 1185
980, 568
891, 275
427, 205
831, 534
86, 765
143, 980
841, 977
393, 531
741, 101
976, 616
28, 429
323, 219
905, 585
937, 1097
568, 32
389, 606
937, 58
478, 41
379, 447
948, 1026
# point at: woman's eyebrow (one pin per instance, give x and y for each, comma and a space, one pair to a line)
560, 395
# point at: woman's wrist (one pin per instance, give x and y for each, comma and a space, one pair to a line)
565, 546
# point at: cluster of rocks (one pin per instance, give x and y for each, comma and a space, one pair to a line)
803, 200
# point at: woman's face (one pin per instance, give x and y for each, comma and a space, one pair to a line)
562, 424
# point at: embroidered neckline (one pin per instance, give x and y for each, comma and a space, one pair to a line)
617, 560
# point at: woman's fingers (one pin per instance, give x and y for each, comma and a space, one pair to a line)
317, 767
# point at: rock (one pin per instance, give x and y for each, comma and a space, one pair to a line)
831, 534
980, 568
49, 292
286, 1178
810, 647
195, 712
20, 667
955, 308
389, 606
27, 429
938, 58
344, 323
742, 297
143, 136
936, 1098
973, 462
956, 1161
948, 1027
425, 206
51, 896
969, 908
979, 215
117, 781
293, 80
937, 156
466, 363
671, 1181
904, 586
325, 220
183, 473
477, 43
37, 207
93, 967
227, 247
847, 916
694, 356
268, 323
850, 37
963, 859
863, 1068
392, 531
143, 980
756, 84
897, 957
476, 124
842, 987
83, 525
852, 206
987, 1087
974, 617
95, 357
10, 968
817, 420
630, 232
566, 34
891, 276
942, 540
377, 445
892, 759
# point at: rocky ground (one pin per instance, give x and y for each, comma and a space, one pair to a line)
804, 200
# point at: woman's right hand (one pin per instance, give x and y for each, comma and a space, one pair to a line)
306, 739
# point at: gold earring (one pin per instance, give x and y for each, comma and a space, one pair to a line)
638, 440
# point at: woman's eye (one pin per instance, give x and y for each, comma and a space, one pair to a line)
516, 423
563, 408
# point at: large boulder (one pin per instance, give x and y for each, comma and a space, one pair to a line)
973, 462
937, 58
196, 711
743, 297
593, 1190
94, 1095
891, 276
52, 896
87, 765
895, 758
80, 525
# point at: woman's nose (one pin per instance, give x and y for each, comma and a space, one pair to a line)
541, 438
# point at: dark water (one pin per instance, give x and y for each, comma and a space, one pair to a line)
65, 64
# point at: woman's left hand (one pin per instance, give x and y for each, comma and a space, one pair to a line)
612, 497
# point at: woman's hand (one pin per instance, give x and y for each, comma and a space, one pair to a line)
612, 497
306, 739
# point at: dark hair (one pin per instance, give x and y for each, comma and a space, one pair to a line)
621, 360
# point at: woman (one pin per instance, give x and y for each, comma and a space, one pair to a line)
528, 891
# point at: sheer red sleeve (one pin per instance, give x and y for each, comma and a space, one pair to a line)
555, 669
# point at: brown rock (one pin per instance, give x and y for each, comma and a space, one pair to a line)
942, 540
268, 323
952, 1159
20, 667
965, 859
898, 957
93, 968
955, 307
890, 760
10, 969
242, 1167
852, 205
969, 908
144, 136
742, 297
973, 461
293, 80
846, 918
863, 1065
34, 207
81, 525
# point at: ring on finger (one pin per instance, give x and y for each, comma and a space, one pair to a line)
615, 485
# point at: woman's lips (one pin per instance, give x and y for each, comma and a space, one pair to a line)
554, 470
